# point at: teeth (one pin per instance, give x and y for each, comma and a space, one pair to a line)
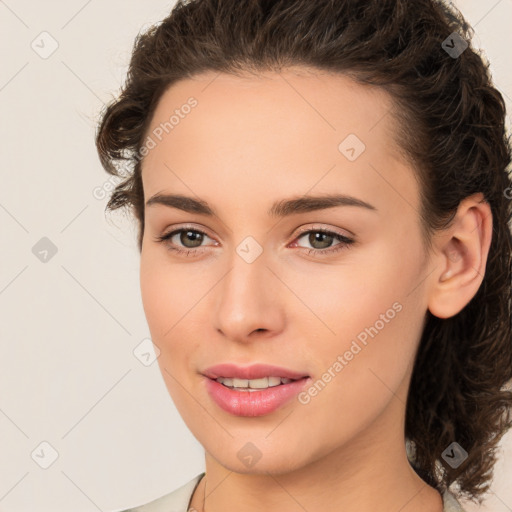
250, 384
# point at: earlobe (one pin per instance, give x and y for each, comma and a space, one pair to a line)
461, 256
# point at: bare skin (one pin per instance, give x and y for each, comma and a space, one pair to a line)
249, 142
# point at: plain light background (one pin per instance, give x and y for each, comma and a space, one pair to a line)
71, 317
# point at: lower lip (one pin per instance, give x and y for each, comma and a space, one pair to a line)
253, 403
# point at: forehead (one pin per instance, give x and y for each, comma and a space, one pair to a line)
302, 99
271, 131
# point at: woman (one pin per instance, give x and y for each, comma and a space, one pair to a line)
359, 144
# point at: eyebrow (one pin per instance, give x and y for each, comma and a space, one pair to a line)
282, 208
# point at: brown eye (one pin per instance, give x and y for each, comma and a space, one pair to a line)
189, 236
321, 241
185, 241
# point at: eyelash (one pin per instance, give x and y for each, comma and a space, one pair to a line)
345, 242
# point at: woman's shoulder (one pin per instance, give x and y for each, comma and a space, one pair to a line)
175, 501
450, 502
179, 499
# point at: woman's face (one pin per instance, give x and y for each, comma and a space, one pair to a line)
253, 290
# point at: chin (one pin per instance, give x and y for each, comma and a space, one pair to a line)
245, 458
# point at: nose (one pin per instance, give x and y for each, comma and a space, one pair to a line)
249, 301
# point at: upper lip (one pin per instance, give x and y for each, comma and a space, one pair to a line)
254, 371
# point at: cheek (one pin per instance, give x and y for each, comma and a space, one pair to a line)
374, 310
164, 292
359, 372
161, 301
345, 299
163, 307
170, 301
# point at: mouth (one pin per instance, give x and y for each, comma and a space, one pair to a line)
253, 390
255, 376
254, 384
255, 396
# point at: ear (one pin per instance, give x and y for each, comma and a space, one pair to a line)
459, 257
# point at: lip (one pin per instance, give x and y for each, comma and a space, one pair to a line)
255, 371
254, 403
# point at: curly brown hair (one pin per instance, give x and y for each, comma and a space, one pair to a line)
453, 133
